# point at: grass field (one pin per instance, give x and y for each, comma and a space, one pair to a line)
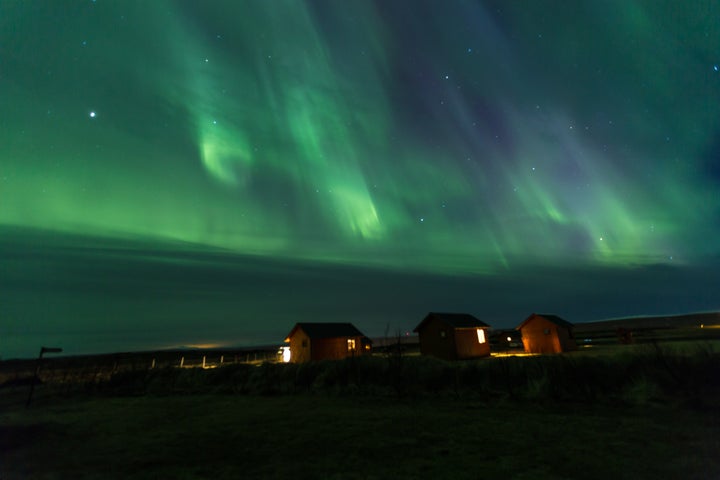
303, 436
645, 411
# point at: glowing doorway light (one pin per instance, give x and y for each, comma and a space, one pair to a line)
481, 335
285, 354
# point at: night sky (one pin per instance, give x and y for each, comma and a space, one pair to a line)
187, 173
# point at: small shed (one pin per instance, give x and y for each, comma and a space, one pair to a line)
542, 333
453, 336
326, 341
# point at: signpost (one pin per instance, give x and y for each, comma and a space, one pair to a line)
43, 350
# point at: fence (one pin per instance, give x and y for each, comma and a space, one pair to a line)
93, 369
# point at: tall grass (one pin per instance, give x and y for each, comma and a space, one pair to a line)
638, 377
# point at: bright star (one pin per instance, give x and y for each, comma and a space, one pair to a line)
92, 114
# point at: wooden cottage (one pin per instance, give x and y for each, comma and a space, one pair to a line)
547, 334
326, 341
453, 336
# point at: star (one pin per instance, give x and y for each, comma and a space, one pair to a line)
92, 114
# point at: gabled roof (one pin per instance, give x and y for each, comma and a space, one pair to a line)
454, 320
326, 330
550, 318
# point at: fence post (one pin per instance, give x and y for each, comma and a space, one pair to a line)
182, 361
43, 350
203, 361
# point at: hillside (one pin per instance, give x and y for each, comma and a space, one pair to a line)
691, 320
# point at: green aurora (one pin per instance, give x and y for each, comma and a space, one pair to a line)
475, 140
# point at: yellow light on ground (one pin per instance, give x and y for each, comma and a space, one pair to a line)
513, 354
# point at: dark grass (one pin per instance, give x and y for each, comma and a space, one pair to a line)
310, 436
646, 412
632, 377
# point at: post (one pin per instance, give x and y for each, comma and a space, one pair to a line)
182, 361
153, 364
43, 350
222, 359
203, 361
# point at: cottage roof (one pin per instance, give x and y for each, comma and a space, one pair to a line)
550, 318
454, 320
326, 330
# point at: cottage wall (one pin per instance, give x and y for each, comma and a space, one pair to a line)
300, 347
566, 339
335, 348
467, 344
540, 335
437, 339
305, 349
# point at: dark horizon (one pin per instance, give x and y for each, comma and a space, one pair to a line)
129, 294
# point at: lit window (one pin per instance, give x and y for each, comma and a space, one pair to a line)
351, 344
481, 335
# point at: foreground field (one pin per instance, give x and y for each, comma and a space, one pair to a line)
646, 412
302, 436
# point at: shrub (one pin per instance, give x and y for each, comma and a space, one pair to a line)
637, 377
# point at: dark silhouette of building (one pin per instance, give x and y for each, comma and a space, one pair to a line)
543, 333
325, 341
453, 336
